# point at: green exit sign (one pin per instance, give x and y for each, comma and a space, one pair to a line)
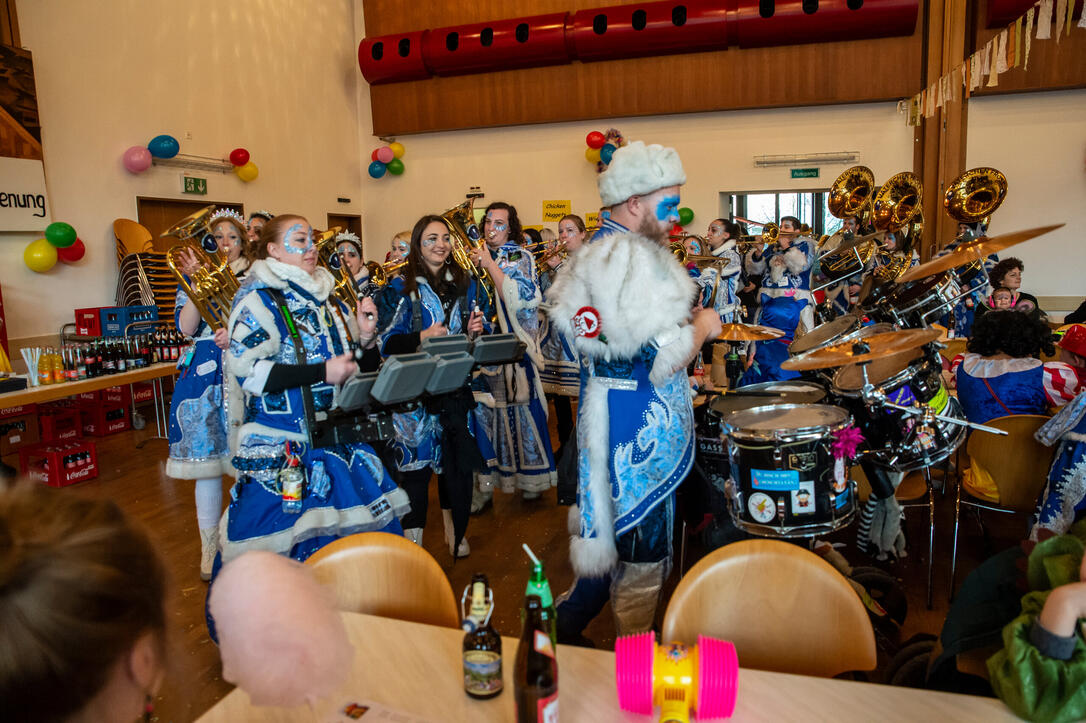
804, 173
194, 184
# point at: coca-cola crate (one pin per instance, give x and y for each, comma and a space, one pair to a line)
18, 411
102, 420
142, 392
112, 396
22, 430
59, 421
88, 322
58, 464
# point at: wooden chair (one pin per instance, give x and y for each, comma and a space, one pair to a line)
378, 573
131, 238
1018, 464
785, 609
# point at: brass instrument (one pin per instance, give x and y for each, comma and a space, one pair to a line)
898, 209
975, 195
678, 250
212, 287
381, 274
850, 194
558, 250
466, 236
328, 257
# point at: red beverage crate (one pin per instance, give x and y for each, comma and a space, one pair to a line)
59, 420
102, 420
26, 433
58, 464
18, 411
110, 396
88, 322
142, 392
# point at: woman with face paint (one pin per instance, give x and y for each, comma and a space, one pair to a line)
438, 298
511, 416
199, 449
349, 249
288, 351
257, 219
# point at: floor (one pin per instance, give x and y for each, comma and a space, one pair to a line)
135, 478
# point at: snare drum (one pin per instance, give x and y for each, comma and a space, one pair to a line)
898, 440
785, 480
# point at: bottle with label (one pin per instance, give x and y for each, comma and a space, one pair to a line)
699, 371
482, 650
535, 676
175, 346
80, 353
121, 357
45, 367
59, 376
109, 363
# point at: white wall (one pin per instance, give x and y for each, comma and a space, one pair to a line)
278, 78
1039, 141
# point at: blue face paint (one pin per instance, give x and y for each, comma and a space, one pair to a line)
289, 241
667, 209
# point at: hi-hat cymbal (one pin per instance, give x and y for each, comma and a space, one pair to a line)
976, 250
748, 332
876, 345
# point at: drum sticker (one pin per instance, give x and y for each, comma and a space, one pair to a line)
803, 499
761, 507
782, 480
802, 461
840, 479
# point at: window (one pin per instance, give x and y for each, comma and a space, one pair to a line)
808, 206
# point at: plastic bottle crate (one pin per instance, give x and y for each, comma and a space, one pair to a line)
59, 421
102, 420
115, 319
59, 464
88, 322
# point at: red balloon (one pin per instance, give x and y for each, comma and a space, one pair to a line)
73, 253
676, 230
373, 156
239, 157
595, 139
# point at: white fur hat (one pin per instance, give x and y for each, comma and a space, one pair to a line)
637, 169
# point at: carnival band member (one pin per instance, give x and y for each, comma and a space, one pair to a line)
257, 219
388, 296
511, 415
199, 448
722, 235
288, 349
349, 248
964, 310
626, 303
399, 247
438, 299
785, 300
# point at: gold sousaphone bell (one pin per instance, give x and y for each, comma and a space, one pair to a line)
212, 287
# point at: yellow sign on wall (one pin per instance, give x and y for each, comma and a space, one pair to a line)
592, 218
553, 211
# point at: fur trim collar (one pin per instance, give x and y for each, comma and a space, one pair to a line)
278, 275
977, 366
728, 245
640, 291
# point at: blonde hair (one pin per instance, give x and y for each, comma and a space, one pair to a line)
404, 236
547, 235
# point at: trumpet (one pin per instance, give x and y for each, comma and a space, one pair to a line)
382, 274
559, 250
212, 287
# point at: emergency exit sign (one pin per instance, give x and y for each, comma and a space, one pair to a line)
804, 173
194, 184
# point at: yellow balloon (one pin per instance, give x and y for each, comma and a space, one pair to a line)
40, 256
248, 172
592, 155
397, 149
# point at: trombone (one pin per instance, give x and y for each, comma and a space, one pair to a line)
212, 287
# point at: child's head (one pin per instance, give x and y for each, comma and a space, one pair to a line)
1002, 298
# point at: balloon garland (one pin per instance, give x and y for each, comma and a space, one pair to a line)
601, 146
60, 243
387, 159
138, 159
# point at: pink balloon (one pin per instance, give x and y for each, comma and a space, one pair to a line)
385, 154
137, 159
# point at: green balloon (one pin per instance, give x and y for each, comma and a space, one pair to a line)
60, 234
685, 215
395, 166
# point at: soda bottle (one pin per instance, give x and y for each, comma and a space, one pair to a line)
535, 677
482, 649
57, 362
292, 483
45, 367
538, 585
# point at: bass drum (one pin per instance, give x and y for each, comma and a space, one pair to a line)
785, 480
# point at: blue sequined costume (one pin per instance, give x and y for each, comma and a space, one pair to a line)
347, 488
510, 417
561, 372
726, 302
1065, 495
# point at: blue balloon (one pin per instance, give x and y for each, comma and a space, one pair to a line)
606, 152
377, 169
164, 146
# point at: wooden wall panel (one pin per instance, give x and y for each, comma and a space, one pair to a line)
15, 142
9, 24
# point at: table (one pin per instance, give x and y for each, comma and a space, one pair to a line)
416, 668
52, 392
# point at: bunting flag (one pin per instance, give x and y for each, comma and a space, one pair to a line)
1001, 54
1017, 43
1082, 18
1029, 36
1061, 15
1044, 20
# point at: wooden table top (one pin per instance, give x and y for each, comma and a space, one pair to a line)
51, 392
416, 669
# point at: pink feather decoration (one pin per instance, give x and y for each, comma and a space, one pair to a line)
846, 442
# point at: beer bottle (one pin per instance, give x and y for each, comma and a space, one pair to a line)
535, 677
482, 649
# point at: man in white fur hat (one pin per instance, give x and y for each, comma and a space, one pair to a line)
626, 303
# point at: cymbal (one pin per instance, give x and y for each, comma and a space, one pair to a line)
879, 345
748, 332
976, 250
855, 242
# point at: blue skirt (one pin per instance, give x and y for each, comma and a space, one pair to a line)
197, 428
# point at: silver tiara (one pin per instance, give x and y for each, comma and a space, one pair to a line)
348, 236
227, 213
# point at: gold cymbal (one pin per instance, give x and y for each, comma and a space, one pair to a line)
976, 250
878, 346
855, 242
748, 332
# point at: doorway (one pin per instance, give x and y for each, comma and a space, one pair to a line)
158, 214
348, 221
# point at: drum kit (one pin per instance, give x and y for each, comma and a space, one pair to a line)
867, 394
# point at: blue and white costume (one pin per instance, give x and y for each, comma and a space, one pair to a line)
726, 302
199, 447
1065, 494
347, 488
561, 372
965, 308
990, 388
792, 279
510, 417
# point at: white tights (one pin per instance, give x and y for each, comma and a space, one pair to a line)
208, 501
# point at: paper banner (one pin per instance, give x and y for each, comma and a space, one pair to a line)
990, 62
1001, 53
1029, 37
553, 211
1061, 15
986, 58
1044, 20
1071, 15
975, 70
1017, 42
1082, 18
939, 95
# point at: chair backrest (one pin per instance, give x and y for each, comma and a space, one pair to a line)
131, 238
382, 574
1017, 462
785, 609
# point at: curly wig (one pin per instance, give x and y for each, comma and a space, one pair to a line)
1010, 332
